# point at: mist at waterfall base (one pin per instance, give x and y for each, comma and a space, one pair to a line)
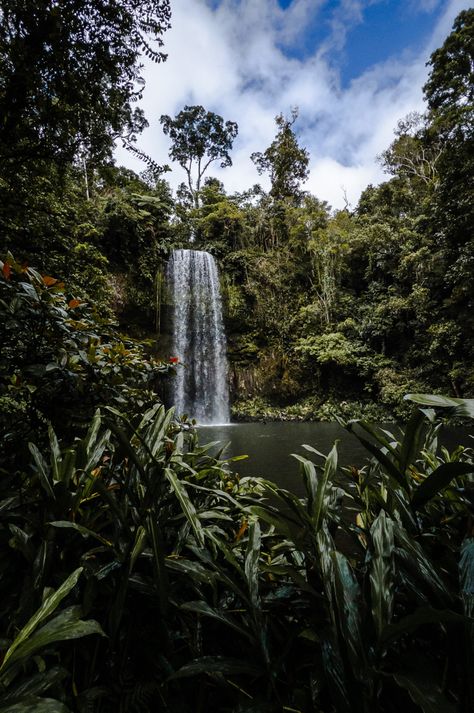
200, 387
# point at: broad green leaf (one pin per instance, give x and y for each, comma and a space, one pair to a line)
412, 441
56, 457
466, 575
227, 552
348, 600
438, 480
96, 450
186, 504
336, 675
148, 416
217, 664
381, 572
418, 567
84, 531
205, 610
35, 705
388, 465
193, 570
423, 615
325, 549
45, 610
93, 431
377, 434
252, 557
281, 523
139, 545
43, 470
159, 564
214, 515
401, 509
290, 501
287, 571
36, 684
125, 442
65, 626
151, 435
310, 480
313, 450
233, 583
424, 690
462, 407
22, 541
329, 472
68, 465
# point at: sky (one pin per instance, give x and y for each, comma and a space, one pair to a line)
352, 67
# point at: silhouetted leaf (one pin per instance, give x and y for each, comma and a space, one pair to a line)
438, 480
217, 664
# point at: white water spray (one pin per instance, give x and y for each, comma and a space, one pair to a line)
200, 388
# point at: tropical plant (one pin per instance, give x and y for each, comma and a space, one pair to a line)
59, 360
20, 692
235, 594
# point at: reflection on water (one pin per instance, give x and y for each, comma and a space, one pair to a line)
269, 446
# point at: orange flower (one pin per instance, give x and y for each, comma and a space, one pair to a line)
6, 270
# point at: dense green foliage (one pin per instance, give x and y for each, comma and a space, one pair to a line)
137, 571
326, 311
194, 591
284, 161
329, 311
59, 361
69, 72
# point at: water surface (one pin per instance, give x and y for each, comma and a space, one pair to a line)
269, 446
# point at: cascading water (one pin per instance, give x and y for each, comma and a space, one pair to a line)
200, 388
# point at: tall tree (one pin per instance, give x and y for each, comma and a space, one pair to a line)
450, 87
284, 161
199, 138
450, 95
415, 152
69, 72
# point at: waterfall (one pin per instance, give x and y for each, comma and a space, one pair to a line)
200, 388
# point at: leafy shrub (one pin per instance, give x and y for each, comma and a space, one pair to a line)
59, 360
236, 593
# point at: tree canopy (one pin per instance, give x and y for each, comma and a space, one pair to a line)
449, 90
199, 138
284, 160
69, 72
138, 572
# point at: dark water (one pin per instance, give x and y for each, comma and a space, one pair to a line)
269, 446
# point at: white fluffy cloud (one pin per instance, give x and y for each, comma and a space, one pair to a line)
234, 59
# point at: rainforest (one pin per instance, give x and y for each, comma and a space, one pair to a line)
140, 569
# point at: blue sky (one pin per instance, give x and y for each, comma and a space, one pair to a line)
375, 31
352, 67
387, 29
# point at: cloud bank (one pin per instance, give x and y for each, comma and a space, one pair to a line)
241, 59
